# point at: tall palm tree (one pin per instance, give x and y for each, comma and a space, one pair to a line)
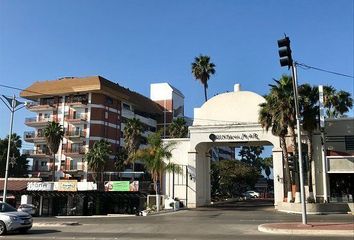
53, 134
309, 110
153, 158
283, 91
202, 68
132, 137
178, 128
272, 117
97, 157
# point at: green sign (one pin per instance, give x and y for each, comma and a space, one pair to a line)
117, 186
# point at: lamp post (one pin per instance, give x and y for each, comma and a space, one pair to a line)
12, 104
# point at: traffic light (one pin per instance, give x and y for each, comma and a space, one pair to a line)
285, 52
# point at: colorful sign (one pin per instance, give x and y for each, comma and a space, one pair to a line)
121, 186
67, 186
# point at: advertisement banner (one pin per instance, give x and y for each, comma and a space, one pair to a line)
121, 186
67, 186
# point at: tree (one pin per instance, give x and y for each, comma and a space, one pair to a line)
336, 102
53, 134
132, 137
267, 165
235, 177
283, 92
309, 111
97, 157
251, 156
202, 68
153, 157
19, 165
178, 128
120, 159
271, 117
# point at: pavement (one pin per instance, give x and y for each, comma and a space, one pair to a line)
312, 229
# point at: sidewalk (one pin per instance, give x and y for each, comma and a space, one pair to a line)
314, 228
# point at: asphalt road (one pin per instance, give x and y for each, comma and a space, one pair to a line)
228, 221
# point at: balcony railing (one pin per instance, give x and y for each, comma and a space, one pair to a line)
76, 118
74, 150
31, 136
75, 134
73, 166
35, 152
36, 106
37, 121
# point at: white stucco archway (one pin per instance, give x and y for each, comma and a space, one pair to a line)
226, 119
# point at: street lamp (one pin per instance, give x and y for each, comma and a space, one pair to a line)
12, 104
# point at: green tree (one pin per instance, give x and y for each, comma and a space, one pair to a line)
336, 102
18, 166
97, 158
251, 155
153, 158
271, 117
283, 92
120, 159
267, 165
132, 137
202, 68
53, 134
235, 177
178, 128
309, 110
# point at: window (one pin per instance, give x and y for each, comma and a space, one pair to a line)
109, 100
349, 142
126, 106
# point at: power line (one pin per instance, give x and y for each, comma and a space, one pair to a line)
306, 67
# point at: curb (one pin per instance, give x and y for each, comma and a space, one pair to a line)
268, 228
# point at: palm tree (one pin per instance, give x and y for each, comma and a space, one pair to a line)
97, 157
271, 117
284, 93
153, 157
337, 103
178, 128
202, 68
53, 134
132, 137
309, 110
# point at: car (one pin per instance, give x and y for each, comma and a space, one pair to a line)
13, 220
251, 194
28, 208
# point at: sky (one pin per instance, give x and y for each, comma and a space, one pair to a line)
136, 43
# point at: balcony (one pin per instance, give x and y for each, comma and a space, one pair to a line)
44, 153
72, 167
77, 101
76, 150
31, 136
36, 107
76, 119
37, 122
75, 135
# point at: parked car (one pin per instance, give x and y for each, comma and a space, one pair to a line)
28, 208
251, 194
13, 220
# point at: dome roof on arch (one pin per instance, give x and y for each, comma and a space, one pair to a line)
238, 107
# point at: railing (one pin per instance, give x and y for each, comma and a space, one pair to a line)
36, 151
37, 105
74, 149
79, 133
80, 117
38, 120
31, 135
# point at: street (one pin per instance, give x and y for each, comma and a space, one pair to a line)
227, 221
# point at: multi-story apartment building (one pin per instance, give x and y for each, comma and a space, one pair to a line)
89, 109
